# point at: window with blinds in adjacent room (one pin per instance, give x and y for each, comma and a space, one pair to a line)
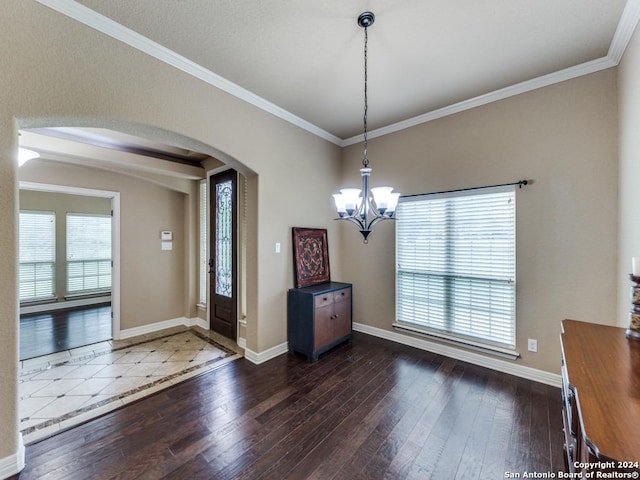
37, 255
88, 253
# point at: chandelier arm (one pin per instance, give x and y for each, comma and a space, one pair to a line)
355, 220
378, 218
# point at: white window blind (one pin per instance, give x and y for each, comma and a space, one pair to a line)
37, 254
203, 243
455, 270
88, 253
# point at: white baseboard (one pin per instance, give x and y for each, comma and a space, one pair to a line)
503, 366
78, 302
154, 327
242, 342
13, 464
268, 354
197, 322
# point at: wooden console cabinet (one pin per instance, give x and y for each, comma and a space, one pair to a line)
318, 318
600, 399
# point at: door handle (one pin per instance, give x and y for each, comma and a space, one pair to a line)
211, 263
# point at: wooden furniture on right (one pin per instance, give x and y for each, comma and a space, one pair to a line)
318, 318
601, 398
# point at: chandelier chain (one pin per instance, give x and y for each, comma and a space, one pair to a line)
365, 160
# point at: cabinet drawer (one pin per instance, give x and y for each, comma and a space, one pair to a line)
343, 295
323, 299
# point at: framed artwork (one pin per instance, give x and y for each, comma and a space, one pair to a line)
310, 256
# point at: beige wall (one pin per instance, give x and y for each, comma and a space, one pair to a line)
62, 204
562, 137
629, 119
56, 71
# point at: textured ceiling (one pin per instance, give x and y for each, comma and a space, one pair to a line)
307, 58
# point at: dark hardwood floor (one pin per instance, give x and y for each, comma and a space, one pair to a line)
58, 330
373, 409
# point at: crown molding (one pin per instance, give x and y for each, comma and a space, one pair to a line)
523, 87
626, 27
624, 31
105, 25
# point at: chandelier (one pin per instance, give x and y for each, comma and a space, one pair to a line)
367, 206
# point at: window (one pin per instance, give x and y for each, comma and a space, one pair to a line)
88, 253
203, 243
455, 266
37, 255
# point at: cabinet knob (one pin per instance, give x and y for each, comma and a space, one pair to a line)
324, 299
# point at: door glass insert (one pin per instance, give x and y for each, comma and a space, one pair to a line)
224, 247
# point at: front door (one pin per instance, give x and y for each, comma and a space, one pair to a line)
223, 250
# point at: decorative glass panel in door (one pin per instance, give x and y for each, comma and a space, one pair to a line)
223, 251
223, 238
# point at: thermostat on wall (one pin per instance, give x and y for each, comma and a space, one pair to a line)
166, 235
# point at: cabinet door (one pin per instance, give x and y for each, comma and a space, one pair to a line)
323, 328
342, 313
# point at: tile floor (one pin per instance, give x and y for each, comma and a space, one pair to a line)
67, 388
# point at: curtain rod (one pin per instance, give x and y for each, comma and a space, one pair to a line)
520, 183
